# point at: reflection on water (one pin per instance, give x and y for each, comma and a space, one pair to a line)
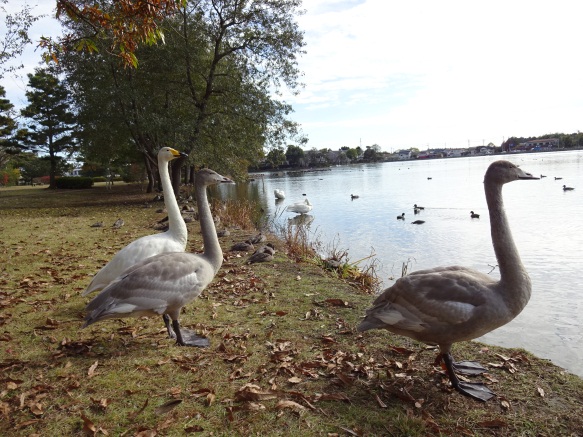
545, 222
301, 220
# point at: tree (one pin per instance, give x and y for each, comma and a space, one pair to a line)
371, 154
276, 157
124, 23
210, 90
352, 154
8, 147
31, 166
14, 36
294, 155
50, 121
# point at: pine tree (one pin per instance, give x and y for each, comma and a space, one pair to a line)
7, 127
50, 120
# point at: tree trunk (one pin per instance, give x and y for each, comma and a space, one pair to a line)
191, 173
176, 172
149, 174
53, 171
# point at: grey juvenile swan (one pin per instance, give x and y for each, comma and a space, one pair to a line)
173, 240
445, 305
164, 283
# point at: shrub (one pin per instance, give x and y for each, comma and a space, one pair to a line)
74, 182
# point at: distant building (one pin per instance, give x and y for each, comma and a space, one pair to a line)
404, 154
542, 144
75, 172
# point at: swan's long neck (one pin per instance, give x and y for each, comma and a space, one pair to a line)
212, 249
514, 281
176, 225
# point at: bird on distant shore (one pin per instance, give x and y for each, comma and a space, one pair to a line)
243, 246
97, 225
354, 196
262, 254
542, 176
164, 283
418, 222
474, 215
173, 240
118, 223
446, 305
401, 217
279, 194
418, 207
566, 188
558, 178
258, 238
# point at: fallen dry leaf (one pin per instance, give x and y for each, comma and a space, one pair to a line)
36, 409
289, 404
541, 392
495, 423
136, 413
91, 371
88, 425
168, 406
380, 402
250, 392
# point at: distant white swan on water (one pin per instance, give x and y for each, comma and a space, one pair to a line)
300, 207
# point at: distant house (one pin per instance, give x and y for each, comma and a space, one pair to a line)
456, 152
542, 144
404, 154
75, 172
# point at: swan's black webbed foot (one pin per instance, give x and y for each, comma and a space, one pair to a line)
468, 368
476, 390
186, 337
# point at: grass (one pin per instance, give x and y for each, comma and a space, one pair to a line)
284, 357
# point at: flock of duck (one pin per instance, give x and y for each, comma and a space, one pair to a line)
444, 305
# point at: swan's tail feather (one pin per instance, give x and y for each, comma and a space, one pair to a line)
370, 323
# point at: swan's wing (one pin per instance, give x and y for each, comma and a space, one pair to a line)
136, 251
161, 284
429, 300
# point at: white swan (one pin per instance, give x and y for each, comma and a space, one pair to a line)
445, 305
279, 194
173, 240
164, 283
300, 207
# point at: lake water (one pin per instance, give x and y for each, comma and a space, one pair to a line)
545, 221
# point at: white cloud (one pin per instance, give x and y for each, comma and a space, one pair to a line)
15, 84
425, 72
411, 74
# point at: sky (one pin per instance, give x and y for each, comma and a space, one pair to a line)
423, 73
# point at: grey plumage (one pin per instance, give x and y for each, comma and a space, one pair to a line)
446, 305
164, 283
